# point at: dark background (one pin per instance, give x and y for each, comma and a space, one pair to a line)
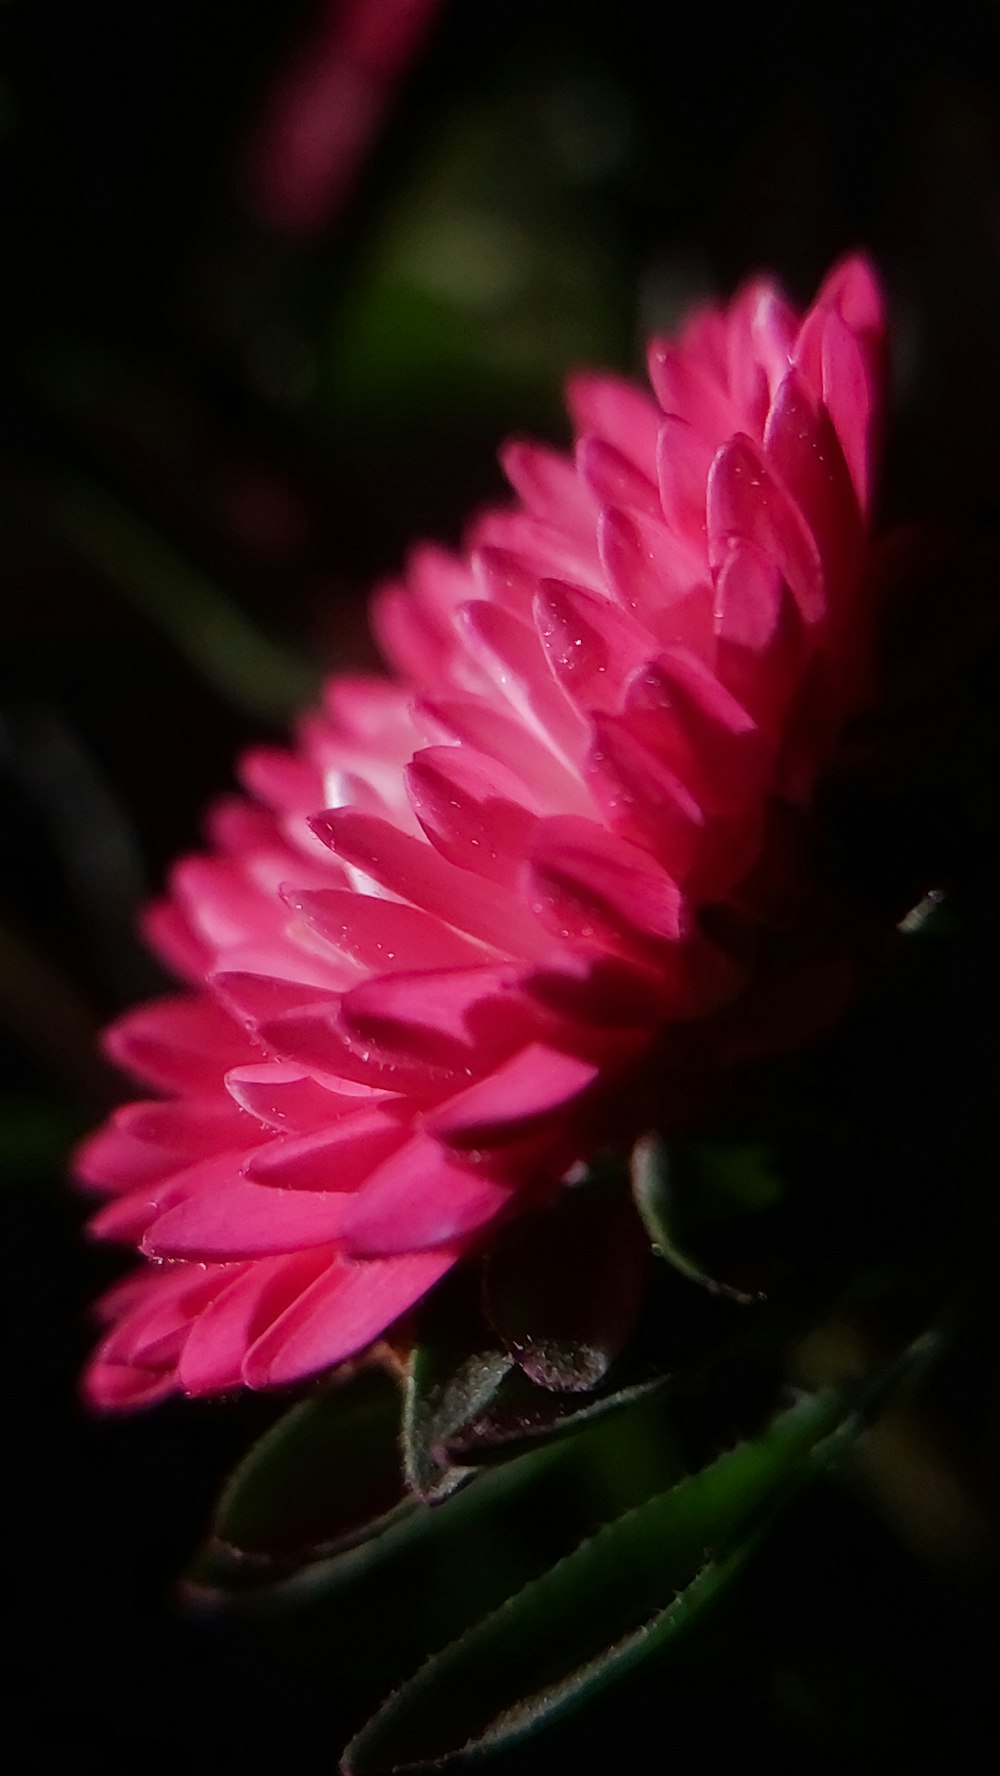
216, 428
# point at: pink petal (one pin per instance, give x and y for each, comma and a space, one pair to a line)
472, 811
614, 479
761, 637
216, 1346
773, 326
338, 1158
643, 798
341, 1313
645, 568
605, 995
153, 1333
445, 1019
245, 1220
685, 714
549, 485
409, 637
440, 579
130, 1214
514, 1099
411, 867
617, 411
178, 1044
853, 290
476, 723
506, 579
239, 827
419, 1198
223, 906
367, 707
281, 779
802, 445
603, 889
683, 459
523, 677
745, 503
117, 1387
591, 643
256, 998
842, 375
287, 1099
195, 1127
546, 547
315, 1038
381, 934
685, 387
130, 1292
112, 1159
168, 934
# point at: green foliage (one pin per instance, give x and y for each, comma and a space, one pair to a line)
694, 1199
634, 1590
323, 1479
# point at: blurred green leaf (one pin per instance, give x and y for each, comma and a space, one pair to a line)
35, 1135
246, 668
499, 262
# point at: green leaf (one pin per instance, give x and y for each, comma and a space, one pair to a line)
520, 1416
460, 1557
325, 1477
697, 1204
635, 1589
454, 1370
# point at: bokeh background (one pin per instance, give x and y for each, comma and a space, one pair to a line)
277, 276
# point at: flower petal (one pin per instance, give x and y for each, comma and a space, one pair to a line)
346, 1308
419, 1199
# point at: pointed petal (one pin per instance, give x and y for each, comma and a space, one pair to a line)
592, 644
178, 1044
614, 479
617, 411
412, 868
523, 677
549, 485
337, 1158
245, 1220
473, 811
216, 1346
745, 503
290, 1100
513, 1100
594, 886
646, 569
315, 1038
384, 935
342, 1312
448, 1019
420, 1198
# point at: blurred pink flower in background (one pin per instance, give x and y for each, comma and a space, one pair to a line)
325, 110
454, 942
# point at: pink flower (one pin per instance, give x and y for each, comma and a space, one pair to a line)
457, 939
